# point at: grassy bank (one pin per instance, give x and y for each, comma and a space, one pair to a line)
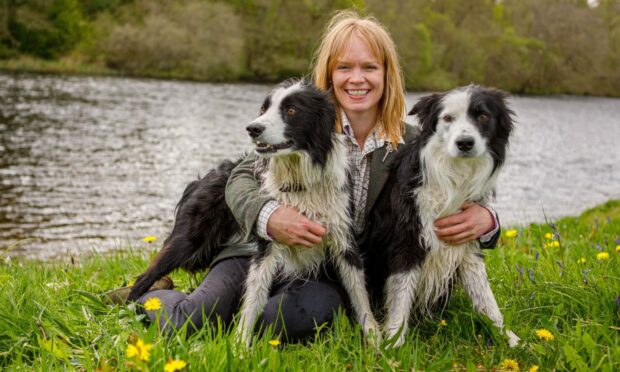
562, 277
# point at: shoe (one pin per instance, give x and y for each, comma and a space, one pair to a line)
119, 296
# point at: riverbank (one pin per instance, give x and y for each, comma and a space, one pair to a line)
561, 277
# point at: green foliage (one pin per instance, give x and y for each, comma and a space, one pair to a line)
52, 318
524, 46
46, 29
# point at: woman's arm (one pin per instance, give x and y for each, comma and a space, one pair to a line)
243, 197
471, 223
284, 224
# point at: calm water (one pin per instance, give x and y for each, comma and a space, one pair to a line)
99, 163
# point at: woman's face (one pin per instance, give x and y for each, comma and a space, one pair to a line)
358, 80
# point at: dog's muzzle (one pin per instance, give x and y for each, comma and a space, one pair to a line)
255, 131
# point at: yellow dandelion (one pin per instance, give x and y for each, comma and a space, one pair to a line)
140, 350
618, 249
553, 244
582, 260
274, 343
512, 233
533, 368
152, 304
602, 256
549, 236
509, 365
545, 335
443, 323
149, 239
174, 365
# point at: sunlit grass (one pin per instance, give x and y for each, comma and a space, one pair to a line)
562, 299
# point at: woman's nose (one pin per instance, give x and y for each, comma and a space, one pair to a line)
357, 75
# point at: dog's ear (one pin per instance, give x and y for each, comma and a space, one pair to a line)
426, 108
505, 122
505, 114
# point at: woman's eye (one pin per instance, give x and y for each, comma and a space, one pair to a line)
483, 118
448, 118
342, 67
291, 111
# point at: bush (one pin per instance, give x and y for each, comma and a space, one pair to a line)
47, 29
181, 39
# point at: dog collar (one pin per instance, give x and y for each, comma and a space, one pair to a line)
292, 187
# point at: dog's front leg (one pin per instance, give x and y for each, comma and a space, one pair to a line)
400, 292
258, 283
473, 275
354, 282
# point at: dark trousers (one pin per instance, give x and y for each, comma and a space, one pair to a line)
295, 308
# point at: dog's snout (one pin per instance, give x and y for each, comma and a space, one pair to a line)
465, 143
255, 130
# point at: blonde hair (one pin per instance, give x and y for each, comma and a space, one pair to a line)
339, 31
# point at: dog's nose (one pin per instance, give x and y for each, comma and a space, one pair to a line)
465, 143
255, 130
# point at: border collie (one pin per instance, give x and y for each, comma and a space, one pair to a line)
303, 164
455, 158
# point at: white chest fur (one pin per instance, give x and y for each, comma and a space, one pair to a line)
324, 198
448, 182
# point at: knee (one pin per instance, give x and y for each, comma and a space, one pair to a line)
296, 314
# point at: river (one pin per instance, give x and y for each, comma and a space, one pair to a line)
98, 163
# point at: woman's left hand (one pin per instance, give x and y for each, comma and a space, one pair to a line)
469, 224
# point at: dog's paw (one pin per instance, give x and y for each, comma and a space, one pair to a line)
395, 337
243, 338
372, 331
513, 340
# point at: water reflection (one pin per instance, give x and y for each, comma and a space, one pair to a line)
98, 163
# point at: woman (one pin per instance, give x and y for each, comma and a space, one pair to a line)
357, 62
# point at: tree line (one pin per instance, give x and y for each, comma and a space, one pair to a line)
524, 46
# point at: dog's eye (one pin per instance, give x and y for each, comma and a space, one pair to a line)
448, 118
483, 118
291, 111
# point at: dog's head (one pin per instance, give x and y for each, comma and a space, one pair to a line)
296, 116
469, 121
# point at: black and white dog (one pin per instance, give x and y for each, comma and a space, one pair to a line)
455, 158
304, 164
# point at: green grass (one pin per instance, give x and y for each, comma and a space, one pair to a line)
51, 318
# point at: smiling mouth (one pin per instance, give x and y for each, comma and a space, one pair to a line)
357, 92
264, 148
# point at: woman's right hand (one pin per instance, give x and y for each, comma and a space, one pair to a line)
286, 225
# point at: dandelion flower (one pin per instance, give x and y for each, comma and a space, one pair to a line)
140, 350
533, 368
618, 249
174, 365
274, 343
509, 365
443, 323
545, 335
553, 244
511, 233
602, 256
582, 260
152, 304
149, 239
549, 236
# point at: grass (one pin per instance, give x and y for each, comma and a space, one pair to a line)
70, 65
52, 319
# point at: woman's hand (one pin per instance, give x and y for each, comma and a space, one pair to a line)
286, 225
469, 224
